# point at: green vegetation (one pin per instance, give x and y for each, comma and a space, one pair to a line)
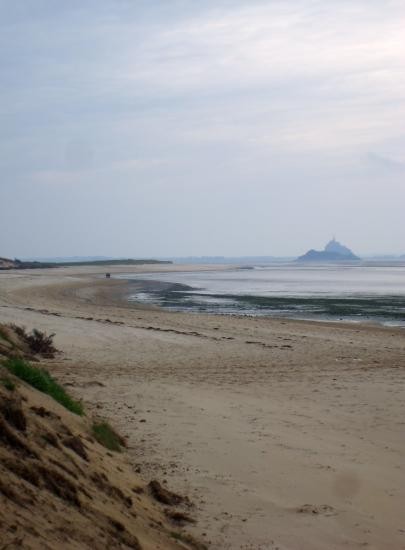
107, 437
8, 383
41, 380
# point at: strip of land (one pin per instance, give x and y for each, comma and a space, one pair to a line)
7, 263
285, 434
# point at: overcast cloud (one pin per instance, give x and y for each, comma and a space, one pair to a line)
157, 128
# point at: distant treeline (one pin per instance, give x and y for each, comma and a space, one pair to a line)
18, 264
109, 262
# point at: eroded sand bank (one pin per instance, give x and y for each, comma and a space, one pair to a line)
285, 434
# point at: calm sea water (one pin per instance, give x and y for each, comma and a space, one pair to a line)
356, 292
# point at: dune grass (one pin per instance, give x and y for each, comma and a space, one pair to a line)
8, 383
41, 380
107, 437
4, 336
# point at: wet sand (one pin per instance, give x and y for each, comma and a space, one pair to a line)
285, 434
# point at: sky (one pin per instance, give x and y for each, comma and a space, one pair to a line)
144, 128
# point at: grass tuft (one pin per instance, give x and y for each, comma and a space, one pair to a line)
8, 383
108, 437
5, 337
41, 380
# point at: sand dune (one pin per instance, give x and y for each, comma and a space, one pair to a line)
60, 487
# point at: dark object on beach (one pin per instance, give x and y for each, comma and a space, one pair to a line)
108, 275
164, 495
179, 518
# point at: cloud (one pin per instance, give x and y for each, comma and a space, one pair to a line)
386, 164
295, 74
281, 101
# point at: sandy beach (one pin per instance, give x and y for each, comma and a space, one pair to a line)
284, 434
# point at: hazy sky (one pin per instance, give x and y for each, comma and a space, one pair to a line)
176, 127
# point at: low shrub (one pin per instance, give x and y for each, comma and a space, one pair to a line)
43, 381
3, 335
38, 342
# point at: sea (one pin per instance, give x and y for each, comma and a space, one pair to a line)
361, 292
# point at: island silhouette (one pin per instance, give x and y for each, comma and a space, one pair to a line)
334, 251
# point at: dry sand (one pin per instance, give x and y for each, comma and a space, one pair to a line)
285, 434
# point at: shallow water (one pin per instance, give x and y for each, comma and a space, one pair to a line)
356, 292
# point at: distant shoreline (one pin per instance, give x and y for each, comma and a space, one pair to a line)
7, 264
